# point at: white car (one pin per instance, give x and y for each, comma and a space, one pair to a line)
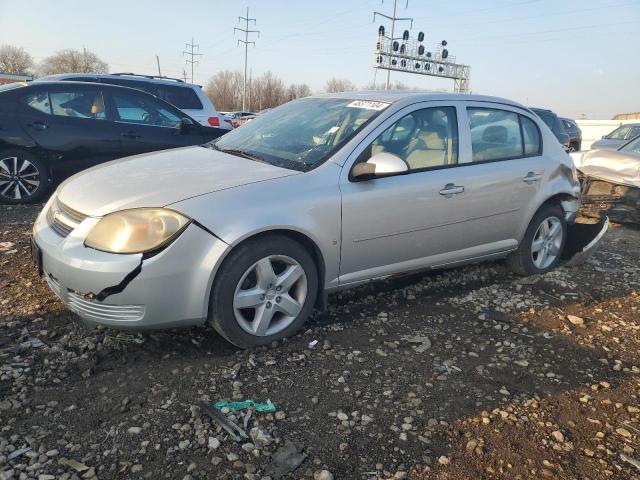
188, 97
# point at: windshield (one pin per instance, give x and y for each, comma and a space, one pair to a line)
624, 132
302, 134
633, 146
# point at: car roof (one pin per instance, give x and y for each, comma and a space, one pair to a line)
66, 83
125, 76
393, 96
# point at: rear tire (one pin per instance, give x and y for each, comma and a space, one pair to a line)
24, 177
264, 291
543, 242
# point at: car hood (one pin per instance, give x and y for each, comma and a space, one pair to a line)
607, 144
161, 178
613, 166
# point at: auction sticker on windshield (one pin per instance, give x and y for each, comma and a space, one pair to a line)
368, 105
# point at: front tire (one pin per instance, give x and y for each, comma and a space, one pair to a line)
264, 291
24, 178
543, 242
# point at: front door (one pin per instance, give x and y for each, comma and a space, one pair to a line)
146, 124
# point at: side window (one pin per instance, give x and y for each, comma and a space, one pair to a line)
182, 97
78, 104
38, 101
633, 132
424, 139
147, 111
495, 134
620, 133
531, 135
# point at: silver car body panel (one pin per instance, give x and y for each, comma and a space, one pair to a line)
186, 172
613, 166
361, 230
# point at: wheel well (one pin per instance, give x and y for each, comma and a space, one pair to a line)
558, 199
310, 246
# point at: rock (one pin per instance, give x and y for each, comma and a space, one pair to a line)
260, 437
577, 321
558, 436
134, 430
343, 416
137, 468
444, 460
323, 475
624, 432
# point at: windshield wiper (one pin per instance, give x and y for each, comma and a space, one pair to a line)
241, 153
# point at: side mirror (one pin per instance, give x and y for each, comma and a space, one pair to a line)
186, 124
382, 164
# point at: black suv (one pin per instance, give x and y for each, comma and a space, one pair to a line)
574, 132
50, 130
555, 125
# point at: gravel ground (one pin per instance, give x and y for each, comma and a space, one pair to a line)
464, 374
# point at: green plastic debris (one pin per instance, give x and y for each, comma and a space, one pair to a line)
267, 407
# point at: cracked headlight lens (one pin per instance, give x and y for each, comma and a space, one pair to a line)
136, 231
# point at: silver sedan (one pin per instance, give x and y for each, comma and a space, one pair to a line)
251, 231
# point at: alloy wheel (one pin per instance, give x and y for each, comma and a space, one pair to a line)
270, 295
547, 242
19, 178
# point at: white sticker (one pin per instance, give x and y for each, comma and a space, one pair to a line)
368, 105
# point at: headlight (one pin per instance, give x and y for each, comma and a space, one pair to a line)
136, 231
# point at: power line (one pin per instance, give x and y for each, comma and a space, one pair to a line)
192, 55
246, 42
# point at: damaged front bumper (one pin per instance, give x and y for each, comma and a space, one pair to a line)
169, 289
619, 202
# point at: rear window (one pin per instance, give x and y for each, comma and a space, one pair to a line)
11, 86
182, 97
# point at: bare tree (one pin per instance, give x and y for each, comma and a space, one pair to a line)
225, 90
73, 61
266, 91
14, 59
339, 85
394, 86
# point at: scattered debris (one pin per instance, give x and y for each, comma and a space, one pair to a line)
286, 459
17, 453
71, 463
577, 321
632, 461
313, 343
237, 433
267, 407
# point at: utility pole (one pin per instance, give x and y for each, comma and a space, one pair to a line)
192, 54
184, 75
250, 76
246, 42
158, 60
393, 19
84, 50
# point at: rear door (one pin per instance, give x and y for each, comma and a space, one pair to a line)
70, 125
147, 124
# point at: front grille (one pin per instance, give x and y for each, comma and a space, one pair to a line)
92, 309
63, 219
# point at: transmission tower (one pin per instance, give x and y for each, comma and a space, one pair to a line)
193, 54
393, 19
246, 42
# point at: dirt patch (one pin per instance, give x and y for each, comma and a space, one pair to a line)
506, 384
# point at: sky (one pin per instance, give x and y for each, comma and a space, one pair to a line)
575, 57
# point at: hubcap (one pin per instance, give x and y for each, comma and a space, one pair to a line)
19, 178
546, 244
270, 295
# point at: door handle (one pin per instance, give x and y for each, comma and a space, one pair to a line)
532, 177
38, 125
451, 189
130, 134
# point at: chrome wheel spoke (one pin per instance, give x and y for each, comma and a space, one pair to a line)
555, 230
537, 245
266, 275
289, 306
249, 298
262, 319
554, 250
4, 166
289, 277
7, 188
542, 257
